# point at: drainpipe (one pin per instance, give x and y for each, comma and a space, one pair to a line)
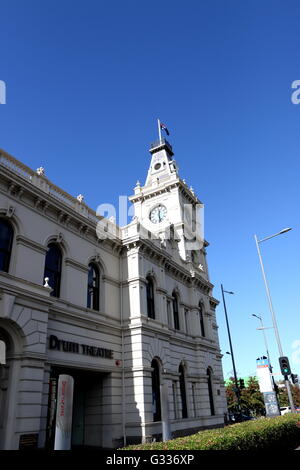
122, 352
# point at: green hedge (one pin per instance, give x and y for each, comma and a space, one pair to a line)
263, 433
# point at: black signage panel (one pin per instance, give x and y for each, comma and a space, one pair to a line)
85, 349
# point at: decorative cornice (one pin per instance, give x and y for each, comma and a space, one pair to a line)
25, 289
153, 192
21, 240
165, 187
148, 248
213, 303
110, 280
172, 335
87, 318
76, 265
61, 214
161, 290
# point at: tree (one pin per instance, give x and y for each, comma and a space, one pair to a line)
283, 396
231, 396
251, 399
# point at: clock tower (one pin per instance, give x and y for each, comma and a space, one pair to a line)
165, 205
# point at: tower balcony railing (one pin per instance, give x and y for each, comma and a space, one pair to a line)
162, 142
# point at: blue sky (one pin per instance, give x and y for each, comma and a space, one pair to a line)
87, 80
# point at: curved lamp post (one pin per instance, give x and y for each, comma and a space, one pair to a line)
287, 383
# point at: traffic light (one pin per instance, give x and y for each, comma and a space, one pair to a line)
242, 383
284, 365
295, 379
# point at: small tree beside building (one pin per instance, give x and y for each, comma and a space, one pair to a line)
252, 401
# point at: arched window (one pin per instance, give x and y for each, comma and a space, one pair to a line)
156, 406
210, 391
182, 391
176, 312
93, 287
150, 297
6, 240
202, 329
53, 268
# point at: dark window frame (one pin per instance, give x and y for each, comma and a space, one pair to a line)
7, 242
156, 399
183, 396
93, 287
176, 312
150, 297
201, 318
51, 271
169, 314
210, 392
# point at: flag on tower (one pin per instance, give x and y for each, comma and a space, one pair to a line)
164, 127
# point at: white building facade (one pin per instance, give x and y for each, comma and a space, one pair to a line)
128, 312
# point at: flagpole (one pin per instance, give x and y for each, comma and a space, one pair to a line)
159, 130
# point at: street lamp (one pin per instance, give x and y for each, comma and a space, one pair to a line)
237, 390
265, 339
287, 383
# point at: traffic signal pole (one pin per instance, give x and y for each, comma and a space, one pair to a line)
287, 383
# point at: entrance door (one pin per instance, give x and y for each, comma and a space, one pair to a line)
87, 407
78, 422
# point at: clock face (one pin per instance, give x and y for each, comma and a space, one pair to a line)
158, 214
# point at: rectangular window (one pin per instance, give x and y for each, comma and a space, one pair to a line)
176, 313
175, 400
186, 321
169, 316
202, 328
150, 297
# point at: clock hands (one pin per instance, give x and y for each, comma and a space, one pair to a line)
159, 214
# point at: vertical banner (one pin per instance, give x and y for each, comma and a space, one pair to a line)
266, 387
264, 376
63, 428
